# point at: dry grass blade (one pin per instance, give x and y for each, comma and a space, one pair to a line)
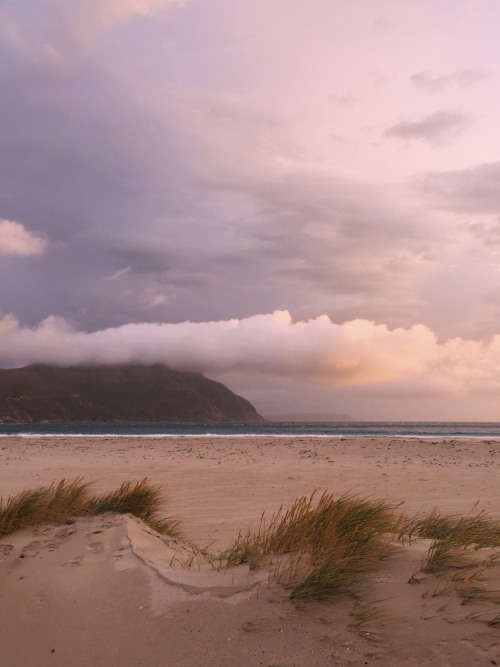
479, 528
69, 499
486, 617
21, 510
368, 619
143, 500
454, 537
443, 552
320, 548
461, 537
338, 564
494, 622
474, 594
35, 506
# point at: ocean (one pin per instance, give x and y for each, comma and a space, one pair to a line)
482, 430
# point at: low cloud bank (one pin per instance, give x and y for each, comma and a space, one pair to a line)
316, 352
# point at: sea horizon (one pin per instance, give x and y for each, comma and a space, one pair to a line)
292, 429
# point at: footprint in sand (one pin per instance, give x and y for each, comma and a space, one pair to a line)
66, 532
121, 552
258, 625
95, 547
31, 550
74, 561
5, 550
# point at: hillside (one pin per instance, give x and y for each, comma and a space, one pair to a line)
39, 393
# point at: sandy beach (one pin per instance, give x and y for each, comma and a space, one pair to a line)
105, 591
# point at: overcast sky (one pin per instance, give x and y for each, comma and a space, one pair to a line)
299, 198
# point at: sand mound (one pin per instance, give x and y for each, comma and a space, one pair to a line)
180, 564
110, 591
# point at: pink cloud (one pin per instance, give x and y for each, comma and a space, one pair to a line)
15, 239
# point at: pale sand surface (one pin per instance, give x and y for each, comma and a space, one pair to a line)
105, 591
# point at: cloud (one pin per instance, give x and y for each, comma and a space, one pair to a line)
306, 225
155, 300
462, 78
119, 274
208, 198
69, 24
488, 232
318, 351
15, 239
171, 144
438, 127
474, 190
81, 21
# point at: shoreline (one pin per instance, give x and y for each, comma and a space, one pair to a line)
229, 436
358, 429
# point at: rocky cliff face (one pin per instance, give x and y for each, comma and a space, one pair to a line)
116, 393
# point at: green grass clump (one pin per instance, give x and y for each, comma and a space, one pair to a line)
59, 502
318, 549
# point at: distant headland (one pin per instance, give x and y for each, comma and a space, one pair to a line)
40, 393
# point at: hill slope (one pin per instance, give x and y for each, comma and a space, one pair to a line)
40, 393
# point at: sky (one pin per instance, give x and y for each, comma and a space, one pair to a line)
299, 199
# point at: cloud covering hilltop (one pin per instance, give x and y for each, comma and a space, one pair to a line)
308, 353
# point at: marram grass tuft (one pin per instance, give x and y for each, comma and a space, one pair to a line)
318, 549
64, 500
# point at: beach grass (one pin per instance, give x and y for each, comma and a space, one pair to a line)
454, 538
318, 549
322, 547
64, 500
142, 499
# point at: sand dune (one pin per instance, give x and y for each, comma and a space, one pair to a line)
110, 591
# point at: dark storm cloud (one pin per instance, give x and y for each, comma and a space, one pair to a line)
72, 156
175, 204
436, 128
96, 177
182, 203
436, 83
106, 179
